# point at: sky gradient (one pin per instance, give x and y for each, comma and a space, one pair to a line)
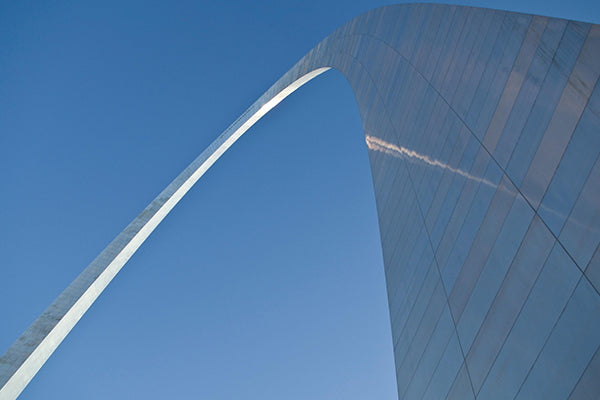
266, 281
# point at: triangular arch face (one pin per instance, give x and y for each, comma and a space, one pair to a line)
482, 128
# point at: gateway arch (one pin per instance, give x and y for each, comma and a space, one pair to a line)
483, 130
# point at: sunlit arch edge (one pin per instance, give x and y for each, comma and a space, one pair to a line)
28, 354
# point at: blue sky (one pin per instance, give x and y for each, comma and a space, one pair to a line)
266, 281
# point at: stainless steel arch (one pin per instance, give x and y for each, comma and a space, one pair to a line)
482, 128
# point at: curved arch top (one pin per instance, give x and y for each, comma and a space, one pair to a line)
483, 129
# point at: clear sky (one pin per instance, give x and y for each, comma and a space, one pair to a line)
266, 281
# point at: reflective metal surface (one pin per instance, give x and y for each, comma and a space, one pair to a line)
483, 129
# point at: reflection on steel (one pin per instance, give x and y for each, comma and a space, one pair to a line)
375, 144
483, 135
